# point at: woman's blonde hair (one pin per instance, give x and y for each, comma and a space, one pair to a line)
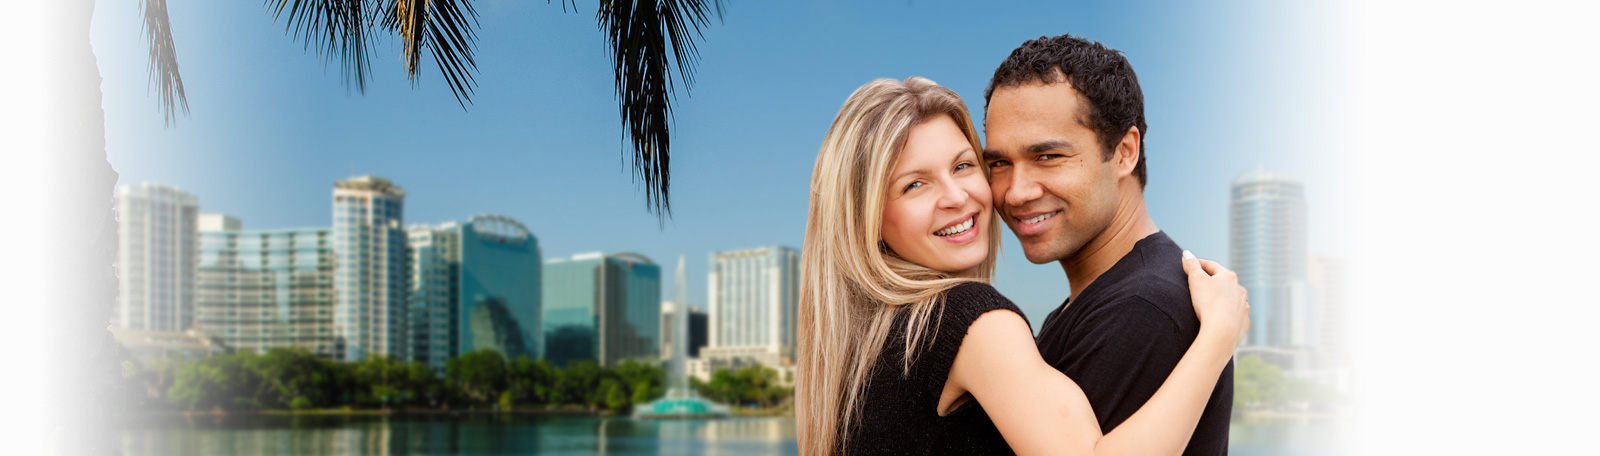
852, 286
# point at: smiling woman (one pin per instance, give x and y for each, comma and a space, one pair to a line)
937, 205
871, 206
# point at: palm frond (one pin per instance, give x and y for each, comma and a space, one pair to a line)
164, 75
640, 33
445, 27
335, 28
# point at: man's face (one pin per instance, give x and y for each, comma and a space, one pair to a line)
1052, 183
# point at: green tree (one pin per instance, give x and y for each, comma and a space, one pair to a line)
532, 380
614, 397
643, 393
1256, 383
222, 381
479, 374
506, 402
579, 383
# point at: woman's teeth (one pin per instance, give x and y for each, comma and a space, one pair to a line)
958, 229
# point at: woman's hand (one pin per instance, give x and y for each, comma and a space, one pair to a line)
1222, 305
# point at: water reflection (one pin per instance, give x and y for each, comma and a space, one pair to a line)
490, 434
455, 434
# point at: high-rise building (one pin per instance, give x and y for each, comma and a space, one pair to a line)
257, 290
602, 308
1268, 252
431, 303
155, 257
1327, 276
474, 286
695, 329
753, 296
369, 245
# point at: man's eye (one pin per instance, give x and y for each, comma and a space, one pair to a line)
998, 163
1043, 157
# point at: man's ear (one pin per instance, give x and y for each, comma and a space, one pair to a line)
1127, 152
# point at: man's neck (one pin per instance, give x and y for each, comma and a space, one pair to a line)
1130, 224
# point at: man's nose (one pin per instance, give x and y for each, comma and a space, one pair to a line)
1021, 188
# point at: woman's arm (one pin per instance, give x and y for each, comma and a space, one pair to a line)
1040, 411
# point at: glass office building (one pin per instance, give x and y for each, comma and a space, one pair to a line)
1268, 252
257, 290
753, 296
369, 245
155, 257
475, 286
602, 308
431, 303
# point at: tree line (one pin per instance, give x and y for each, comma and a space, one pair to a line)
1261, 385
296, 379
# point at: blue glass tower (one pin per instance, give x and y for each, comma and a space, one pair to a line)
1268, 251
602, 308
475, 286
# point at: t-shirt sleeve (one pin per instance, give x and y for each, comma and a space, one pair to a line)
1120, 355
963, 305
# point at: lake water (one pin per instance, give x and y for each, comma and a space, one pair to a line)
557, 435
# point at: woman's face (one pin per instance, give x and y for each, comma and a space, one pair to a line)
936, 208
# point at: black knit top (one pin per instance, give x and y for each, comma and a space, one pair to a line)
900, 414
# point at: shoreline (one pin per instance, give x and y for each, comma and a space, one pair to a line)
351, 411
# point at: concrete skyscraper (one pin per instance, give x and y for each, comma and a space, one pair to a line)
753, 296
369, 245
155, 257
263, 289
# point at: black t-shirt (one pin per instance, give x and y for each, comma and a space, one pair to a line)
899, 413
1123, 334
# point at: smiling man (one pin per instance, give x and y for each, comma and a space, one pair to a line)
1065, 129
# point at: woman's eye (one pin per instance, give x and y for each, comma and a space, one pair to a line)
963, 166
912, 185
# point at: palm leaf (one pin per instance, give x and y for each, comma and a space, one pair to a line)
337, 29
640, 34
164, 60
445, 27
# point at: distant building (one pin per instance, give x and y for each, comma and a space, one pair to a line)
187, 345
369, 244
1267, 227
602, 308
434, 285
753, 296
1327, 275
696, 330
257, 290
155, 257
475, 286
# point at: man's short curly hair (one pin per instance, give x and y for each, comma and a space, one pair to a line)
1101, 75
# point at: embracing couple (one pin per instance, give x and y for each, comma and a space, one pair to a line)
904, 347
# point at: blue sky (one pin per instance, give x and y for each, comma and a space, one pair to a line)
1229, 86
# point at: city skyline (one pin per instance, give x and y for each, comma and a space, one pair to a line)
542, 143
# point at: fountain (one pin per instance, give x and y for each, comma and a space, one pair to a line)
681, 400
